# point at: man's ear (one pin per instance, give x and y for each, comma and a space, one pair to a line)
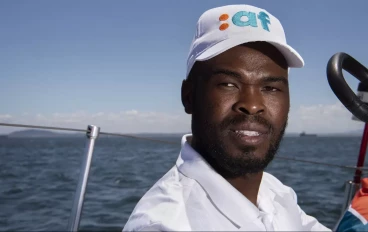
187, 96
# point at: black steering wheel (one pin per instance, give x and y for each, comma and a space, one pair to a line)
337, 82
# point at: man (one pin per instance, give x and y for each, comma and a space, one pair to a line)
236, 90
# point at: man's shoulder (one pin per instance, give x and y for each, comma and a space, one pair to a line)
273, 181
162, 207
277, 186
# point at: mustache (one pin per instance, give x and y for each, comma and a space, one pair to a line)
244, 118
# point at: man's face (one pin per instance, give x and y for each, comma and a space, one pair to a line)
239, 101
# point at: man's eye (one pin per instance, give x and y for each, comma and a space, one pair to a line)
270, 88
227, 84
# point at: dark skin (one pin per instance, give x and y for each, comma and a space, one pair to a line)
245, 85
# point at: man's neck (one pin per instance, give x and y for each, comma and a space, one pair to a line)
248, 186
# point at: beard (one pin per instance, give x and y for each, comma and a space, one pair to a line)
210, 144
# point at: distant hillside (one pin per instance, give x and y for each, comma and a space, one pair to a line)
353, 133
38, 133
32, 133
291, 135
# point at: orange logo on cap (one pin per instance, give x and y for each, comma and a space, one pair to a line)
224, 26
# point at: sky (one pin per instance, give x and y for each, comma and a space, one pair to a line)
120, 64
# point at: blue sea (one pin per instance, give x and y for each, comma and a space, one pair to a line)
38, 178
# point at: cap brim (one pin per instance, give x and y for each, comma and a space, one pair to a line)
292, 57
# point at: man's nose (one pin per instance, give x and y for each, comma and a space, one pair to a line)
250, 101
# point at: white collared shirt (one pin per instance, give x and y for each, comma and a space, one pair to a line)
191, 196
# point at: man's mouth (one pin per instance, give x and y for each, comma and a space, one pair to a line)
248, 133
248, 137
250, 129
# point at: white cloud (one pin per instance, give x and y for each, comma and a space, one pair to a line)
131, 112
132, 121
332, 118
5, 117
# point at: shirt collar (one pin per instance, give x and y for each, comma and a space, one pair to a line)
227, 199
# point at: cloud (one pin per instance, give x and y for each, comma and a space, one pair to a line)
132, 121
5, 117
332, 118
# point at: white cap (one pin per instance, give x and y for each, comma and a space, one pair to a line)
222, 28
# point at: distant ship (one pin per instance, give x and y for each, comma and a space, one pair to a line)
303, 134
